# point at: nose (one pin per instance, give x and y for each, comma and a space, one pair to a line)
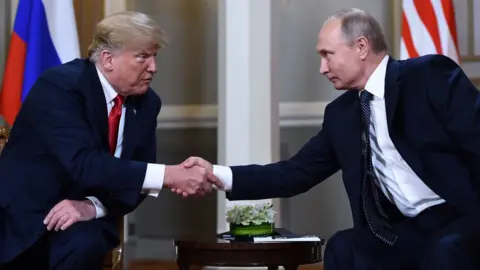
323, 67
152, 65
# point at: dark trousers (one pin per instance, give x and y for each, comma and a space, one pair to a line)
439, 238
83, 246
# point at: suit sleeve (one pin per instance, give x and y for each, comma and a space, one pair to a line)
457, 104
63, 130
148, 153
314, 163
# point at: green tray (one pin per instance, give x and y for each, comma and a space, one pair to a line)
251, 230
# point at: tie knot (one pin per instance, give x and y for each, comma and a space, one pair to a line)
365, 96
118, 100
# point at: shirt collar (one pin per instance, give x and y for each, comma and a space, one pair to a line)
108, 90
376, 83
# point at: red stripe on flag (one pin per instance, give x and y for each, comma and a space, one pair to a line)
449, 12
427, 15
407, 37
10, 95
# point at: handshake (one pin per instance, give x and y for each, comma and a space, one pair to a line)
193, 177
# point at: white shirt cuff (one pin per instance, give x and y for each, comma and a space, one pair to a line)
153, 182
100, 209
224, 174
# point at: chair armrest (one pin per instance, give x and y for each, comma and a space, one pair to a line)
114, 259
4, 133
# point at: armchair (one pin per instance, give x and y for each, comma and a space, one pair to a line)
114, 259
4, 132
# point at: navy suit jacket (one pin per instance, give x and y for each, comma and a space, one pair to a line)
433, 115
58, 149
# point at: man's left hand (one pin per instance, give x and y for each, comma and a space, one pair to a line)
68, 212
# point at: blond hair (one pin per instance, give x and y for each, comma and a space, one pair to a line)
125, 29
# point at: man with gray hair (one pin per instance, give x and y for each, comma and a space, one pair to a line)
406, 135
82, 152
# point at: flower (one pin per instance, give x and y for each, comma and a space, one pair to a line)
251, 214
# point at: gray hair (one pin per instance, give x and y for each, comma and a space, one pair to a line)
357, 23
125, 29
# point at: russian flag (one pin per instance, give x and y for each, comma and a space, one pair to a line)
44, 35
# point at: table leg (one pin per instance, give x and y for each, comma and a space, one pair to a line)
272, 267
183, 266
290, 267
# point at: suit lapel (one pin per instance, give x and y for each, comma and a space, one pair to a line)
100, 115
353, 146
98, 101
396, 130
130, 131
392, 86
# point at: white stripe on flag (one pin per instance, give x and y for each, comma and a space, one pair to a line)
422, 40
446, 39
63, 28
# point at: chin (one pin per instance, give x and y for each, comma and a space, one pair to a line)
139, 91
338, 86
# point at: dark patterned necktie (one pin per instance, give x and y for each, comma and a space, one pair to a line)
376, 218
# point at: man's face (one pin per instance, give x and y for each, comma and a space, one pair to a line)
340, 62
132, 70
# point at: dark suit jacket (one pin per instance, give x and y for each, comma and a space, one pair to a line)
433, 115
58, 149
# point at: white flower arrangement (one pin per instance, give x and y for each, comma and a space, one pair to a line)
248, 215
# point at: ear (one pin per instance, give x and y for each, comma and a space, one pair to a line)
106, 58
362, 47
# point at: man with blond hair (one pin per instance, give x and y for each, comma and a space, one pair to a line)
406, 135
82, 152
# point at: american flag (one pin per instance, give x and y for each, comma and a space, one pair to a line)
428, 27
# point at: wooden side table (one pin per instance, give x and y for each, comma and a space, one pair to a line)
217, 252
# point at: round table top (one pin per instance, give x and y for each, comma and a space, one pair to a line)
213, 251
216, 243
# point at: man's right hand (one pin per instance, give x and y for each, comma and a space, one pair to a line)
197, 162
193, 181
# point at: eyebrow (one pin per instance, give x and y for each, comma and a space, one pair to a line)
146, 53
324, 51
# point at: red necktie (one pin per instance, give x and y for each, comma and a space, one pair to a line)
113, 121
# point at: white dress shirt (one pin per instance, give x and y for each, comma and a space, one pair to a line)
400, 184
155, 172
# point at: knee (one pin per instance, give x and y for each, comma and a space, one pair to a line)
340, 242
444, 245
91, 245
450, 252
339, 249
89, 241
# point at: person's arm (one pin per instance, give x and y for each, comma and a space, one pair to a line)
109, 204
314, 163
67, 136
456, 102
116, 205
100, 209
106, 204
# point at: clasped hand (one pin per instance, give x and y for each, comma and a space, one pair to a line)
193, 177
